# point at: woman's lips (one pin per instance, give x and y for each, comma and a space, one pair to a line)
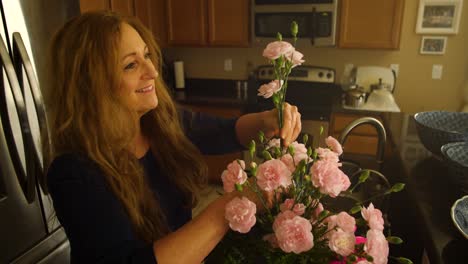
145, 89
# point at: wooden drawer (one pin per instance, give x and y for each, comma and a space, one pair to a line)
340, 121
359, 144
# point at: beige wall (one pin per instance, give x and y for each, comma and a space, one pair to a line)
415, 90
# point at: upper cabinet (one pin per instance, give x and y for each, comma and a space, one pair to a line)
208, 23
149, 12
371, 24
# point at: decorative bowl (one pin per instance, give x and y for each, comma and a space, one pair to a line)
437, 128
459, 214
456, 156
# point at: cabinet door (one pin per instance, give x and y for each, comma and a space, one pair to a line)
186, 22
93, 5
228, 22
124, 7
371, 23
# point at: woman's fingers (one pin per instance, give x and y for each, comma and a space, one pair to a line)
291, 124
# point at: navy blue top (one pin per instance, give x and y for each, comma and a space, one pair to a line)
96, 223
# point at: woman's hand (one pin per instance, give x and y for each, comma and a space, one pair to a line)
248, 126
291, 124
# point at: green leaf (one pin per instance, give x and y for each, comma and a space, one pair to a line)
355, 209
321, 130
404, 260
397, 187
394, 240
364, 176
239, 187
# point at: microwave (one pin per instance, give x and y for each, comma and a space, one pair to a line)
316, 20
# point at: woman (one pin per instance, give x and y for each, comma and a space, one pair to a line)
125, 171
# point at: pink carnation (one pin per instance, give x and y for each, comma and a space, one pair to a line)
296, 58
281, 217
287, 159
346, 222
234, 174
363, 261
299, 209
267, 90
240, 214
316, 213
334, 145
373, 216
329, 178
342, 242
300, 152
287, 205
276, 49
294, 235
327, 155
272, 174
274, 142
360, 240
377, 246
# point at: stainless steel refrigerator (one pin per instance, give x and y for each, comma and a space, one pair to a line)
29, 232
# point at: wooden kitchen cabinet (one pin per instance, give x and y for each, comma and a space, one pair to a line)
371, 24
149, 12
362, 140
218, 163
208, 23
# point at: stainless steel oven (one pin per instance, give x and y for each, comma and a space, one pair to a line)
316, 20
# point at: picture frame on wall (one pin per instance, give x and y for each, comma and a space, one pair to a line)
439, 16
434, 45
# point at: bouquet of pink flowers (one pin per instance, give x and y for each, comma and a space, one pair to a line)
295, 227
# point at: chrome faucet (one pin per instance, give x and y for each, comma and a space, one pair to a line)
382, 135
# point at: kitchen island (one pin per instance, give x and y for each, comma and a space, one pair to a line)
420, 214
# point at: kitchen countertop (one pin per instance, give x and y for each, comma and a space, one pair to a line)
420, 214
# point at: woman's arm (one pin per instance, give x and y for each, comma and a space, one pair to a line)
248, 126
195, 240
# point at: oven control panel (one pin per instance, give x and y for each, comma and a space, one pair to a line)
300, 73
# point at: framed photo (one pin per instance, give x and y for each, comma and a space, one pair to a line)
439, 16
433, 45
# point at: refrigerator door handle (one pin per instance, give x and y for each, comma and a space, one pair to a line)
24, 173
21, 59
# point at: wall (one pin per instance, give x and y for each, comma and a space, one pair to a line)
415, 90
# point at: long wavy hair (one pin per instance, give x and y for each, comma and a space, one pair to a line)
87, 117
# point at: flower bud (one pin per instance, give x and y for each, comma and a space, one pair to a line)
252, 148
261, 136
253, 164
267, 155
279, 36
294, 29
305, 138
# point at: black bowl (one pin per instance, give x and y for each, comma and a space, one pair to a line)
437, 128
456, 156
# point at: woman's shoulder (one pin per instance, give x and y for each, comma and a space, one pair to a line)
71, 166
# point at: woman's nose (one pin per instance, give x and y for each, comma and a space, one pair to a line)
150, 71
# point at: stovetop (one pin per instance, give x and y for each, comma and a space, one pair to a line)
311, 88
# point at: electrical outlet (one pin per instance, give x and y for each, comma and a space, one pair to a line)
437, 71
395, 68
228, 65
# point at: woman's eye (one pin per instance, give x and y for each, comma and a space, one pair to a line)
147, 55
130, 66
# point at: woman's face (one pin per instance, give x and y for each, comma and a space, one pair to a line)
138, 72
